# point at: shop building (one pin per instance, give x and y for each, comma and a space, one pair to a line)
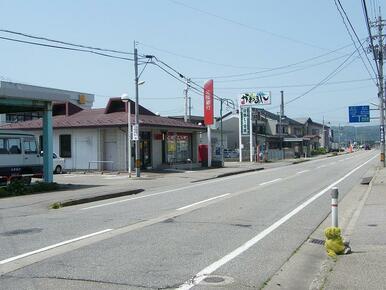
97, 138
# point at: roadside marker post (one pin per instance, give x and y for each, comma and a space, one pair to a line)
334, 206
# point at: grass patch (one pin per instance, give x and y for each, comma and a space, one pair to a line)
18, 187
56, 205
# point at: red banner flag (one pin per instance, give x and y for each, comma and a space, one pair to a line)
208, 103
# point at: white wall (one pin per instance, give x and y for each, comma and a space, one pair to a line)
84, 146
156, 150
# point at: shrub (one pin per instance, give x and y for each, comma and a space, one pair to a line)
17, 187
318, 151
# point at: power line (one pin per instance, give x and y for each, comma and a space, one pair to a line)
292, 85
278, 67
325, 79
65, 48
64, 42
198, 59
282, 73
247, 26
340, 10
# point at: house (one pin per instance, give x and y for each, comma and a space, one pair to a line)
276, 138
87, 138
319, 134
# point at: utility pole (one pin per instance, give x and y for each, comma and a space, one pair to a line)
221, 134
379, 54
137, 152
280, 121
324, 135
381, 89
186, 101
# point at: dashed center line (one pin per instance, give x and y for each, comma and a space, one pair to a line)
303, 171
271, 181
202, 201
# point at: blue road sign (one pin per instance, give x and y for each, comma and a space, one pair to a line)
359, 114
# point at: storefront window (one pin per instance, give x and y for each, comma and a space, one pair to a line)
178, 147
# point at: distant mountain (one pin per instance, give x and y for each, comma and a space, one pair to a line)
361, 135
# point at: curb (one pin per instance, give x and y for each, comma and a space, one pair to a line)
72, 202
229, 174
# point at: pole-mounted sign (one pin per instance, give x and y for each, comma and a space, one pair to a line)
255, 98
359, 114
208, 103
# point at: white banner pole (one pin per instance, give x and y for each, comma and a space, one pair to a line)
250, 136
240, 139
209, 147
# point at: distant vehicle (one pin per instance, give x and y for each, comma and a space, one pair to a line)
58, 164
367, 147
19, 157
230, 153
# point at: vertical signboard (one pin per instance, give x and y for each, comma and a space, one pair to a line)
208, 103
245, 121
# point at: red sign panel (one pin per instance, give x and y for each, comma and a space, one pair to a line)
208, 102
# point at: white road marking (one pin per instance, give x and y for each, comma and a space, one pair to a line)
187, 187
2, 262
303, 171
321, 166
175, 189
332, 163
202, 201
230, 256
271, 181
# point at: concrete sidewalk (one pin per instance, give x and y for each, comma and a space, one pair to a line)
365, 268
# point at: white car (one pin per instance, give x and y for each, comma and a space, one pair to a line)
58, 162
58, 165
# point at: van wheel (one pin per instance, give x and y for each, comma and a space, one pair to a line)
58, 169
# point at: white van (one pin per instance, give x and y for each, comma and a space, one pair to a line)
19, 156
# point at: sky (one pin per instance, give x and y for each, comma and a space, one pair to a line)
203, 40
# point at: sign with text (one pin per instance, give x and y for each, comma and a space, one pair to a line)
208, 102
359, 114
253, 99
135, 132
245, 121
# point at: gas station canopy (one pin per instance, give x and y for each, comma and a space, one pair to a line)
16, 97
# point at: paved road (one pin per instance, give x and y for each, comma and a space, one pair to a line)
240, 228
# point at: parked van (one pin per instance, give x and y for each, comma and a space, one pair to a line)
19, 156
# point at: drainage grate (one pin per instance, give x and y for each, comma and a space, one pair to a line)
214, 279
316, 241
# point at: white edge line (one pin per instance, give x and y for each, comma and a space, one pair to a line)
202, 201
213, 267
2, 262
271, 181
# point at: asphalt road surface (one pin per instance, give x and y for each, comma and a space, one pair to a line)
232, 233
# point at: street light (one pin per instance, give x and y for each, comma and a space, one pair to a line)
125, 98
